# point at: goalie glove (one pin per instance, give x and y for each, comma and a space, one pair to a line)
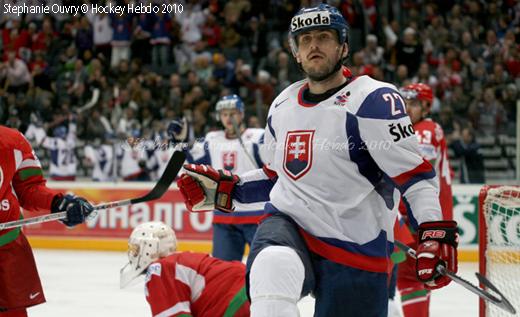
438, 243
204, 188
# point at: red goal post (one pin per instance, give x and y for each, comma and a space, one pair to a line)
499, 243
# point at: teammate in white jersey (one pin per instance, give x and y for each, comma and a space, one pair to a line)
339, 150
61, 148
236, 153
100, 156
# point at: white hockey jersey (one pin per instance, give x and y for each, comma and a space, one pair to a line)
223, 153
338, 168
102, 158
128, 158
62, 157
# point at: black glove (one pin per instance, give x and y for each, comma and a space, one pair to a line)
178, 130
77, 208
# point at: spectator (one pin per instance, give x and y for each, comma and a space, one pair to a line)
84, 37
372, 53
409, 51
191, 22
488, 114
141, 47
256, 36
223, 70
211, 33
425, 76
472, 163
120, 38
16, 73
160, 40
102, 33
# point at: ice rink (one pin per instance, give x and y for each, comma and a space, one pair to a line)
82, 283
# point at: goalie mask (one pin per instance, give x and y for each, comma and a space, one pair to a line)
148, 242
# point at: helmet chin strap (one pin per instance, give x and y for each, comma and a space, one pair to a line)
329, 74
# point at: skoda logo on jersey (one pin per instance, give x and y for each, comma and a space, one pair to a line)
310, 19
229, 160
298, 153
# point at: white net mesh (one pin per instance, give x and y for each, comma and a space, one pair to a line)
502, 215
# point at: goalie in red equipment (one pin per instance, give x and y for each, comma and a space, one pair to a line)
183, 283
415, 296
22, 185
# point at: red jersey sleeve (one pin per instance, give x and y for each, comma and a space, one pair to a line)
28, 181
166, 294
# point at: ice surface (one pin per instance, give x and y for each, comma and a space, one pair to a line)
85, 284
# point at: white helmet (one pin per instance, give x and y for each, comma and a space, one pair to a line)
148, 242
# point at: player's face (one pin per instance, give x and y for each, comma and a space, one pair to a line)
414, 110
226, 116
319, 51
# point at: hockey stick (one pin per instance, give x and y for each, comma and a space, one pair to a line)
237, 131
501, 301
173, 167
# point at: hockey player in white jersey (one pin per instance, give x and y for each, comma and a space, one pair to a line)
100, 156
61, 149
339, 151
237, 153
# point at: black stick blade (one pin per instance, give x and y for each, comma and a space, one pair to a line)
162, 185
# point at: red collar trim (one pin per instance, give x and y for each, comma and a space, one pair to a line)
301, 101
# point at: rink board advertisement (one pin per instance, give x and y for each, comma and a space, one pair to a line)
110, 228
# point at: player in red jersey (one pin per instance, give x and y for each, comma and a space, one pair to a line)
22, 186
415, 295
183, 283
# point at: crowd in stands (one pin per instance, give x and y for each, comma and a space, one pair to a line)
130, 75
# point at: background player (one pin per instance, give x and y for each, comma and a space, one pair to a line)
61, 147
100, 156
223, 150
334, 176
22, 185
183, 283
415, 296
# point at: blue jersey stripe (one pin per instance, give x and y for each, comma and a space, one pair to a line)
253, 192
256, 155
377, 247
382, 103
239, 213
415, 179
270, 126
367, 167
411, 219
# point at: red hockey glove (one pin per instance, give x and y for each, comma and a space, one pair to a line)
204, 188
438, 242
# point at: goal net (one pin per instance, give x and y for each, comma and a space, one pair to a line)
499, 244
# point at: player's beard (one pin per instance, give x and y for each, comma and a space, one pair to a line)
322, 72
